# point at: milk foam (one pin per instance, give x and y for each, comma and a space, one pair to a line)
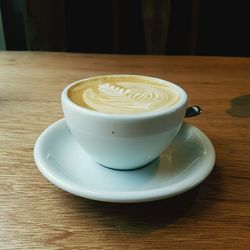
123, 96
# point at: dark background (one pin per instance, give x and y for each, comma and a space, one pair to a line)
178, 27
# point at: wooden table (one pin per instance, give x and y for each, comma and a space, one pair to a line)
36, 214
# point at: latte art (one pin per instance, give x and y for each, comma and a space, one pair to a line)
123, 96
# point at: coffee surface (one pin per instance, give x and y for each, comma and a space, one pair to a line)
123, 94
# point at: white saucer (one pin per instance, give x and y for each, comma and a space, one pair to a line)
187, 162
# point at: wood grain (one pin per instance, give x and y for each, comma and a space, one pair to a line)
34, 214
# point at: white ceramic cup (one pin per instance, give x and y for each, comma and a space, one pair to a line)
122, 141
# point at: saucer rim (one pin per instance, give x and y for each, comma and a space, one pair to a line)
167, 191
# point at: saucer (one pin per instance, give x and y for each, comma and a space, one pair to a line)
185, 164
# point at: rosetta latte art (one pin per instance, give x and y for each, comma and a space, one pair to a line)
128, 98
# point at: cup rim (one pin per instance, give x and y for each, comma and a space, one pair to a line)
165, 111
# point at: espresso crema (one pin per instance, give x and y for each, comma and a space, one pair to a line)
123, 94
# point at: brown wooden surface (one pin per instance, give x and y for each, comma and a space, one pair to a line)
36, 214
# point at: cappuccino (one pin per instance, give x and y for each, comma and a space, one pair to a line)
124, 121
123, 94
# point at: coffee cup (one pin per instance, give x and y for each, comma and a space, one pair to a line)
124, 121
